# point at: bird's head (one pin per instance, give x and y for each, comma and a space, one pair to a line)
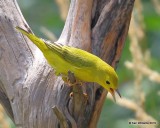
110, 82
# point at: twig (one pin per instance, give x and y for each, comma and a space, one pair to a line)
79, 98
70, 118
71, 77
60, 117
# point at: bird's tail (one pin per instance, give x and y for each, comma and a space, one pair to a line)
37, 41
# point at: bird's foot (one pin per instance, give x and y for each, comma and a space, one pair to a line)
84, 94
68, 81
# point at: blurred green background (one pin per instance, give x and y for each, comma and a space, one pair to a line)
46, 13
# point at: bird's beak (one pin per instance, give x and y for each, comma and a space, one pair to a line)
112, 91
118, 92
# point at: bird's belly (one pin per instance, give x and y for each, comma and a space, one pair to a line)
83, 74
79, 73
58, 64
62, 67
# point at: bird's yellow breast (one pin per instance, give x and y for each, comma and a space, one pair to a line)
62, 67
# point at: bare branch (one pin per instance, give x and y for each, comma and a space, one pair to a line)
61, 117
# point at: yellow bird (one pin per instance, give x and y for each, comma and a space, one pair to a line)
85, 66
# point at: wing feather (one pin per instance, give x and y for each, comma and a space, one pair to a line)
76, 57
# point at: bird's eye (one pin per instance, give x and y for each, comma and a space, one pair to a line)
107, 82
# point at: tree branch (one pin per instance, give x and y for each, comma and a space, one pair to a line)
61, 117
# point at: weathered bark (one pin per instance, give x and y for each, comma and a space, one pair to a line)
28, 87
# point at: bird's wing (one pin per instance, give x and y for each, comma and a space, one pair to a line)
76, 57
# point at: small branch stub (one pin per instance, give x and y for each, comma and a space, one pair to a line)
79, 97
78, 103
61, 117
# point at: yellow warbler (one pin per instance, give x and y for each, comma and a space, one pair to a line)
85, 66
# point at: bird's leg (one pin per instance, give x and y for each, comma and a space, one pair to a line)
74, 81
84, 94
70, 82
65, 79
78, 82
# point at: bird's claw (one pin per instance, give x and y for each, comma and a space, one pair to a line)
84, 94
68, 82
